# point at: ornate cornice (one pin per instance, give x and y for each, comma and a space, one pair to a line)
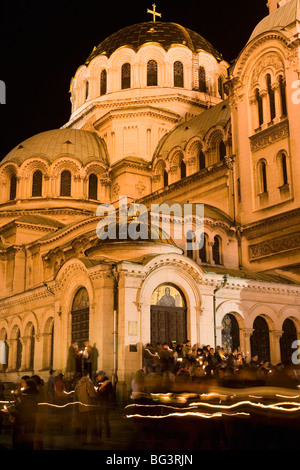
270, 135
274, 246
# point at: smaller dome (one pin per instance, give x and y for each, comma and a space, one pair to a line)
119, 244
279, 19
218, 115
83, 145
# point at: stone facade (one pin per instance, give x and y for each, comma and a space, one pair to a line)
229, 143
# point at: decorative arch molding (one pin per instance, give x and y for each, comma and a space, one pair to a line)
15, 325
214, 136
30, 318
9, 169
97, 64
267, 312
65, 163
97, 168
292, 313
252, 51
183, 274
236, 308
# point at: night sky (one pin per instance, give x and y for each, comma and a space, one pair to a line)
43, 44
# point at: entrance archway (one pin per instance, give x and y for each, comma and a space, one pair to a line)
80, 317
289, 335
230, 332
168, 315
260, 340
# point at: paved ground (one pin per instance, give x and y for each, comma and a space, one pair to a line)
187, 433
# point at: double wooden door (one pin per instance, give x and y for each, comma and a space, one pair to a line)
168, 324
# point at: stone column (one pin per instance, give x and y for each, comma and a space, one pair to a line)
245, 335
275, 353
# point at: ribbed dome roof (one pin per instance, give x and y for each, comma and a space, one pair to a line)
83, 145
218, 115
165, 34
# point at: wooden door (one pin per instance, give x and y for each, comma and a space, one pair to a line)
168, 324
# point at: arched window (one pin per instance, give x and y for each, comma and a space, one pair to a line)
282, 95
202, 79
262, 177
80, 317
222, 151
103, 82
201, 160
178, 74
220, 87
217, 250
283, 169
126, 76
87, 87
31, 348
259, 107
286, 341
65, 183
190, 240
93, 186
230, 332
260, 341
13, 187
37, 182
19, 349
271, 96
182, 169
166, 178
203, 248
152, 73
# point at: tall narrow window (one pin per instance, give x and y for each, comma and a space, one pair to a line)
271, 97
31, 348
259, 107
13, 187
93, 186
126, 76
263, 186
282, 95
178, 74
201, 160
220, 87
152, 73
103, 82
182, 169
284, 174
37, 182
65, 183
202, 79
166, 178
222, 151
216, 250
203, 248
87, 86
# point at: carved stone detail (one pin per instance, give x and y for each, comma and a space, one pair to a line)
272, 247
269, 136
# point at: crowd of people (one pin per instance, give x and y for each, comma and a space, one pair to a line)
35, 404
185, 363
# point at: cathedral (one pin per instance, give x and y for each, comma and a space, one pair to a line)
159, 121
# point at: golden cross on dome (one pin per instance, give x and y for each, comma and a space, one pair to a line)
154, 12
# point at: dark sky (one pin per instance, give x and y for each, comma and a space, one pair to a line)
43, 44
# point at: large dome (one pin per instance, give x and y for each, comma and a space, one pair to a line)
83, 145
165, 34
